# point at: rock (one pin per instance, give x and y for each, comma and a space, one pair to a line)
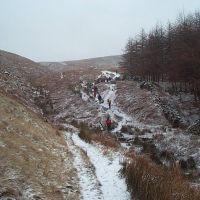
195, 128
191, 163
168, 155
36, 197
114, 125
188, 163
156, 158
170, 112
126, 129
10, 194
146, 85
183, 164
122, 139
69, 186
137, 141
149, 147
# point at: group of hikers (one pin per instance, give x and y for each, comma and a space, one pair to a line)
96, 93
100, 99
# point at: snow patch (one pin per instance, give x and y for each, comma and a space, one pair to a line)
88, 183
107, 171
84, 96
108, 74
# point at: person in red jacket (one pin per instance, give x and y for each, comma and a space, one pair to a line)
95, 90
108, 123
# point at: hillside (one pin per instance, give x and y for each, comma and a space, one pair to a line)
18, 77
35, 160
19, 66
54, 141
100, 62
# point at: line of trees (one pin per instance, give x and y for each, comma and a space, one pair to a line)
170, 53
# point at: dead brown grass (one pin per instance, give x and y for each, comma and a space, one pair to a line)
32, 155
85, 133
149, 181
106, 140
88, 134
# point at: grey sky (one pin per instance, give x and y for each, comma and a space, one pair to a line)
57, 30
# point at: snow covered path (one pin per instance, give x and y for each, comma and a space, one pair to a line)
102, 182
115, 112
99, 173
90, 186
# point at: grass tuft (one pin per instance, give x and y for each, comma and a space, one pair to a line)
106, 140
85, 133
148, 181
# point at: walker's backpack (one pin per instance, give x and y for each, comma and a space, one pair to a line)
108, 122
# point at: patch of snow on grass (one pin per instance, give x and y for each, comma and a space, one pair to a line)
84, 96
108, 74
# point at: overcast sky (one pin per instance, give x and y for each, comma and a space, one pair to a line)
58, 30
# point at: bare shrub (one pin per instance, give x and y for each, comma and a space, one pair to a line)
106, 140
85, 133
10, 192
58, 133
148, 181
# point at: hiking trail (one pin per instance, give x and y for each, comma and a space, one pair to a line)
97, 168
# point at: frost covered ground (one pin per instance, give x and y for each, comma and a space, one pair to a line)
135, 114
138, 123
99, 172
35, 161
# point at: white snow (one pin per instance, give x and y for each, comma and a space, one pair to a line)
112, 185
61, 75
114, 112
6, 73
84, 96
108, 74
88, 183
105, 182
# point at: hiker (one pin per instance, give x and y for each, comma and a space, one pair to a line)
100, 98
109, 103
108, 123
95, 90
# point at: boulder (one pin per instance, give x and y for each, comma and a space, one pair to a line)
195, 128
168, 155
187, 163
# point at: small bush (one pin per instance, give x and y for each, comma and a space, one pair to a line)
85, 133
148, 181
137, 130
106, 140
58, 133
124, 129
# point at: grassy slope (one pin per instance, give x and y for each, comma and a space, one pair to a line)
34, 157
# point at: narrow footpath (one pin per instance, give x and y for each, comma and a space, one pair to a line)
98, 172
